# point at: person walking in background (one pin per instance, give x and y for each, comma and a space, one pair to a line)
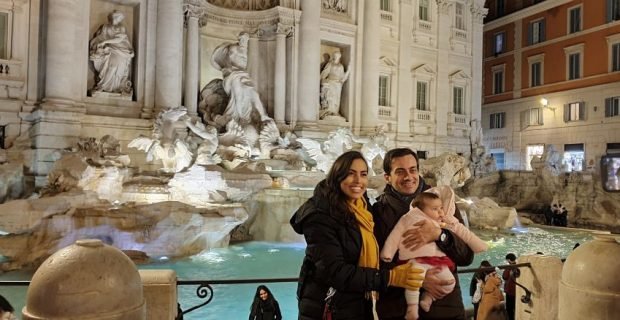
265, 306
401, 172
476, 286
509, 275
491, 303
340, 273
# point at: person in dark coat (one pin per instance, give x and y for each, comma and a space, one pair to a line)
510, 275
340, 273
265, 306
401, 171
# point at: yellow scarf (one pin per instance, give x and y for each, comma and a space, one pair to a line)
369, 256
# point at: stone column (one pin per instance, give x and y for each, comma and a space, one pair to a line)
309, 63
443, 94
168, 54
192, 60
64, 50
370, 66
253, 55
478, 13
405, 82
279, 88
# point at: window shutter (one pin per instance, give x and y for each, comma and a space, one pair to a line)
525, 118
492, 121
582, 111
540, 116
609, 10
608, 106
530, 31
542, 31
566, 112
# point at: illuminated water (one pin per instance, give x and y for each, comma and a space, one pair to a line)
278, 260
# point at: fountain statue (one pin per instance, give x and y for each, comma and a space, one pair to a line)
333, 77
233, 105
111, 54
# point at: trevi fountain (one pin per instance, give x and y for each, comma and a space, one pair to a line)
113, 148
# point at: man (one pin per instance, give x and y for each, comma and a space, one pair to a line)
509, 275
403, 185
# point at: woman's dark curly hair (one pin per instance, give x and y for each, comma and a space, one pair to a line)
338, 172
257, 299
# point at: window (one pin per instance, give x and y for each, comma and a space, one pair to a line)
423, 10
2, 137
574, 68
531, 117
535, 72
498, 81
536, 32
422, 154
533, 151
574, 20
613, 10
459, 17
499, 43
615, 57
610, 164
612, 107
421, 97
384, 86
499, 160
4, 35
500, 8
497, 120
385, 5
458, 98
574, 111
573, 157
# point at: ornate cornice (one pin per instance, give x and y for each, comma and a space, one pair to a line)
444, 6
478, 13
252, 20
285, 29
195, 9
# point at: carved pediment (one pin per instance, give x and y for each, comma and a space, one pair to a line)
423, 68
248, 5
387, 61
459, 75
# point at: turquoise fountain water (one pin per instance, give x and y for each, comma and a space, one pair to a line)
252, 260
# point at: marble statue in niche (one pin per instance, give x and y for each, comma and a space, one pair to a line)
112, 55
333, 76
233, 105
336, 5
232, 60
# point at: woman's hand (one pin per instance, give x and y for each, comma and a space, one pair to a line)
406, 276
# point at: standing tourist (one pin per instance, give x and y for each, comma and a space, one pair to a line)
403, 185
340, 274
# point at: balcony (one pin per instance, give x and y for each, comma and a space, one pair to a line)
385, 111
423, 115
387, 16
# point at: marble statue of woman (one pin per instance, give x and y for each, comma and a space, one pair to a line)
111, 54
333, 76
231, 59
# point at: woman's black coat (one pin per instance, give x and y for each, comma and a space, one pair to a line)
332, 253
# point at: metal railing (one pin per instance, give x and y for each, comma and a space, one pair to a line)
205, 289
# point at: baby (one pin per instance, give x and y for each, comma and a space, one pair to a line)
436, 205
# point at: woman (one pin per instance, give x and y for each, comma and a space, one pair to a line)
265, 306
340, 272
477, 283
491, 304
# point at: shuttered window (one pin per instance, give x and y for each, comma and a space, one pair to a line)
536, 32
423, 10
421, 96
612, 107
497, 120
531, 117
574, 20
574, 66
574, 111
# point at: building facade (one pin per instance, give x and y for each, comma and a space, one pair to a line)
414, 68
551, 77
